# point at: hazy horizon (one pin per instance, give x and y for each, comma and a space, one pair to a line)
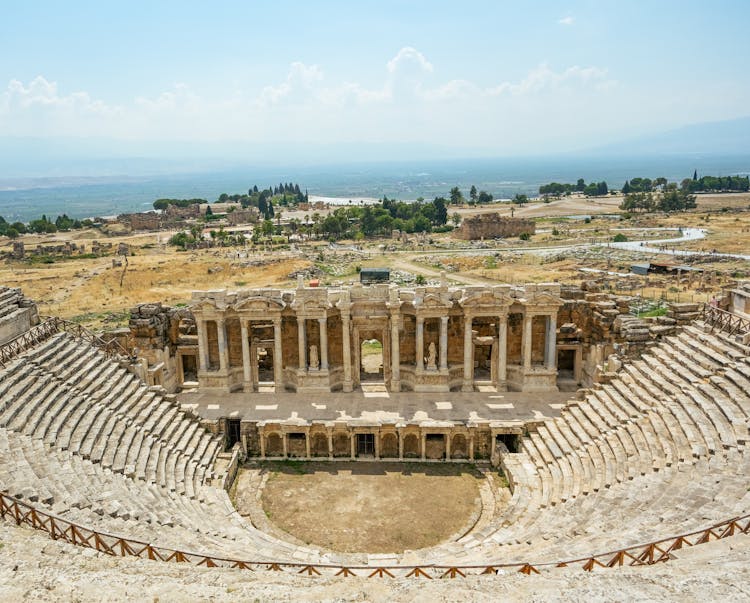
334, 80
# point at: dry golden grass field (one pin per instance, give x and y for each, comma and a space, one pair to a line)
97, 294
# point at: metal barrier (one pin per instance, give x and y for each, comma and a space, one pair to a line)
51, 325
732, 324
642, 554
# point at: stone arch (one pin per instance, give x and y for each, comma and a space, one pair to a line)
341, 444
411, 446
389, 446
319, 445
274, 444
459, 447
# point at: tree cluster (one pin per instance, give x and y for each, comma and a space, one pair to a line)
717, 184
475, 197
670, 199
374, 220
42, 225
644, 185
558, 189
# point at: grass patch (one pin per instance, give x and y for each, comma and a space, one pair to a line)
653, 313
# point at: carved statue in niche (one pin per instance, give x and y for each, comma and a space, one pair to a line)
431, 357
314, 360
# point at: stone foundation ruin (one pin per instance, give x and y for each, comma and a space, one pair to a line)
493, 226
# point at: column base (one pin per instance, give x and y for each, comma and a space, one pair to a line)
467, 386
395, 385
347, 387
247, 387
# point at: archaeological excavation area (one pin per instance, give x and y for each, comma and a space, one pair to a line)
544, 427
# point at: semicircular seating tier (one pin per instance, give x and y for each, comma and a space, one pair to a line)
656, 451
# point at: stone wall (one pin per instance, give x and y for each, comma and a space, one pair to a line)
491, 226
141, 221
17, 313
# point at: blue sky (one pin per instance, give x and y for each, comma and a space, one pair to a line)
497, 77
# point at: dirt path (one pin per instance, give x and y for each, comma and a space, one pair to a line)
407, 266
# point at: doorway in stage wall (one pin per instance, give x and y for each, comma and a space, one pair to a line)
265, 368
365, 444
233, 432
189, 368
371, 361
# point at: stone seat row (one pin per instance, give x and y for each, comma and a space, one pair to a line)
677, 500
9, 298
70, 396
84, 492
654, 424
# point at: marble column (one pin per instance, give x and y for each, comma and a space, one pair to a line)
443, 343
550, 350
302, 343
262, 444
468, 384
285, 444
502, 351
447, 446
202, 345
278, 363
400, 446
424, 446
330, 443
420, 343
246, 375
307, 443
323, 322
353, 442
527, 319
377, 445
347, 351
395, 356
221, 332
471, 446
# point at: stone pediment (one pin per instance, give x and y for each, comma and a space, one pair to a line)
207, 306
311, 306
485, 300
542, 299
259, 304
433, 301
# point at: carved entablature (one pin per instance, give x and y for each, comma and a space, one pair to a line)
208, 309
432, 302
486, 302
540, 302
259, 307
311, 303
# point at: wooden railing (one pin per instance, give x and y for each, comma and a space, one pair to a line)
49, 327
643, 554
732, 324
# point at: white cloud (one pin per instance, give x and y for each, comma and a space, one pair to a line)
180, 97
450, 91
301, 78
543, 77
409, 59
406, 103
566, 20
41, 93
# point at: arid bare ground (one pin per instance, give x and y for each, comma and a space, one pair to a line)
93, 292
370, 507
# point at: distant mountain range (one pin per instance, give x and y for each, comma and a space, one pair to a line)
728, 137
99, 157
